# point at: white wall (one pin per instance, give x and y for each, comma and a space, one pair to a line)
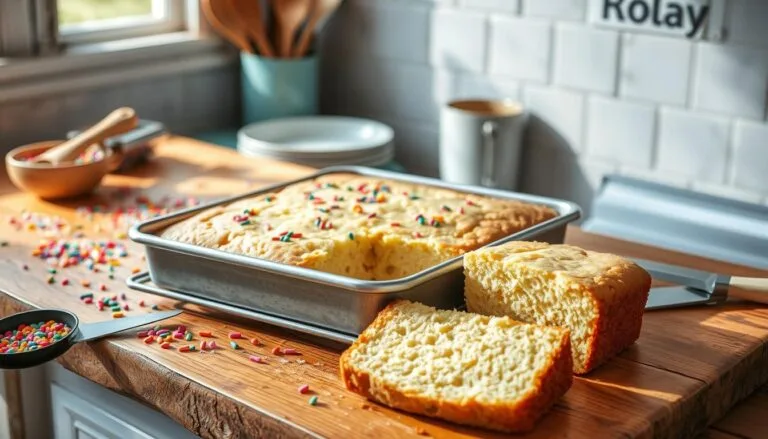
691, 114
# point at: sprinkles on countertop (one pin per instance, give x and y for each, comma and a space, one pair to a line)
31, 337
64, 253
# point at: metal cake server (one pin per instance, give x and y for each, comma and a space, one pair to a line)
697, 287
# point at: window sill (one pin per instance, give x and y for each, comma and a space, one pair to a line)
101, 64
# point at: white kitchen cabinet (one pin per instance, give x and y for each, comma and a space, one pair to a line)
81, 409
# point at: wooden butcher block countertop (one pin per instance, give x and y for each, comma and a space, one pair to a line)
689, 367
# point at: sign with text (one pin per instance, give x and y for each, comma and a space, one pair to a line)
684, 18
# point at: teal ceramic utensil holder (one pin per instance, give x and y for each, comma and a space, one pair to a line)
276, 87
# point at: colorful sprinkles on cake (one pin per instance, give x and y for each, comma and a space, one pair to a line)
31, 337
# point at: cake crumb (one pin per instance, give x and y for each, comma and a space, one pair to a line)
422, 432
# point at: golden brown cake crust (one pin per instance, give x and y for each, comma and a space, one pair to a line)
519, 417
354, 217
620, 321
615, 289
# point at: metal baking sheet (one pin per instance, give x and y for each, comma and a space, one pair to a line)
331, 301
142, 282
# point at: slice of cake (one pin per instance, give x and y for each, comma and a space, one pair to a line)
599, 297
490, 372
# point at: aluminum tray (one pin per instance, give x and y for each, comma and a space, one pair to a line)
331, 301
141, 282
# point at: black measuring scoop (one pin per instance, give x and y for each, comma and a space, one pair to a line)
78, 333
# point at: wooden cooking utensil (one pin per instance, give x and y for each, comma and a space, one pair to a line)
117, 122
321, 11
289, 15
249, 14
60, 181
220, 15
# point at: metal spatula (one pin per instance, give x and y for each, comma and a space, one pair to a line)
697, 287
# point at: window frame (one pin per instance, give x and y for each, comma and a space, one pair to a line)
172, 19
33, 63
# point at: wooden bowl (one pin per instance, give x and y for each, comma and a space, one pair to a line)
55, 181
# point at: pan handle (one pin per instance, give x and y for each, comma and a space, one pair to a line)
754, 289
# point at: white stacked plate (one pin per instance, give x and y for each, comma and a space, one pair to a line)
319, 141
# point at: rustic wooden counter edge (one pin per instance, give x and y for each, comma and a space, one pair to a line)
211, 412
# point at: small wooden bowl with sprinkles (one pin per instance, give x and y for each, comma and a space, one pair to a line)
34, 337
57, 181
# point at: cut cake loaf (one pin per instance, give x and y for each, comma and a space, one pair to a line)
490, 372
599, 297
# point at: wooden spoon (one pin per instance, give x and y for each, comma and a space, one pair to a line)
249, 14
320, 12
220, 16
117, 122
289, 15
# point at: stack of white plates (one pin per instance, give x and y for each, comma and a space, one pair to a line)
319, 141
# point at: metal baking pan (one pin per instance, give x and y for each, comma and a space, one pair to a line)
331, 301
142, 282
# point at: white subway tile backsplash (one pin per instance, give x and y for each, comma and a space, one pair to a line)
556, 9
198, 91
377, 20
550, 167
586, 58
520, 48
594, 170
731, 80
620, 131
693, 145
653, 107
380, 87
562, 110
458, 40
750, 156
667, 178
655, 68
746, 21
486, 87
417, 146
160, 99
17, 114
508, 6
726, 192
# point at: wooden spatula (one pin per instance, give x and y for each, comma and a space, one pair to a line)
251, 22
117, 122
289, 15
219, 15
321, 10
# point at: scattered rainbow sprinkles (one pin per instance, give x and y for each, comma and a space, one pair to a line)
68, 252
32, 337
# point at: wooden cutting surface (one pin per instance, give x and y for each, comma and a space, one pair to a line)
689, 367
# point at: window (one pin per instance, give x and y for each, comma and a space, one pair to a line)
84, 21
50, 46
44, 27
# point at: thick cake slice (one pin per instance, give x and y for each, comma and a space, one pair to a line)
598, 296
490, 372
